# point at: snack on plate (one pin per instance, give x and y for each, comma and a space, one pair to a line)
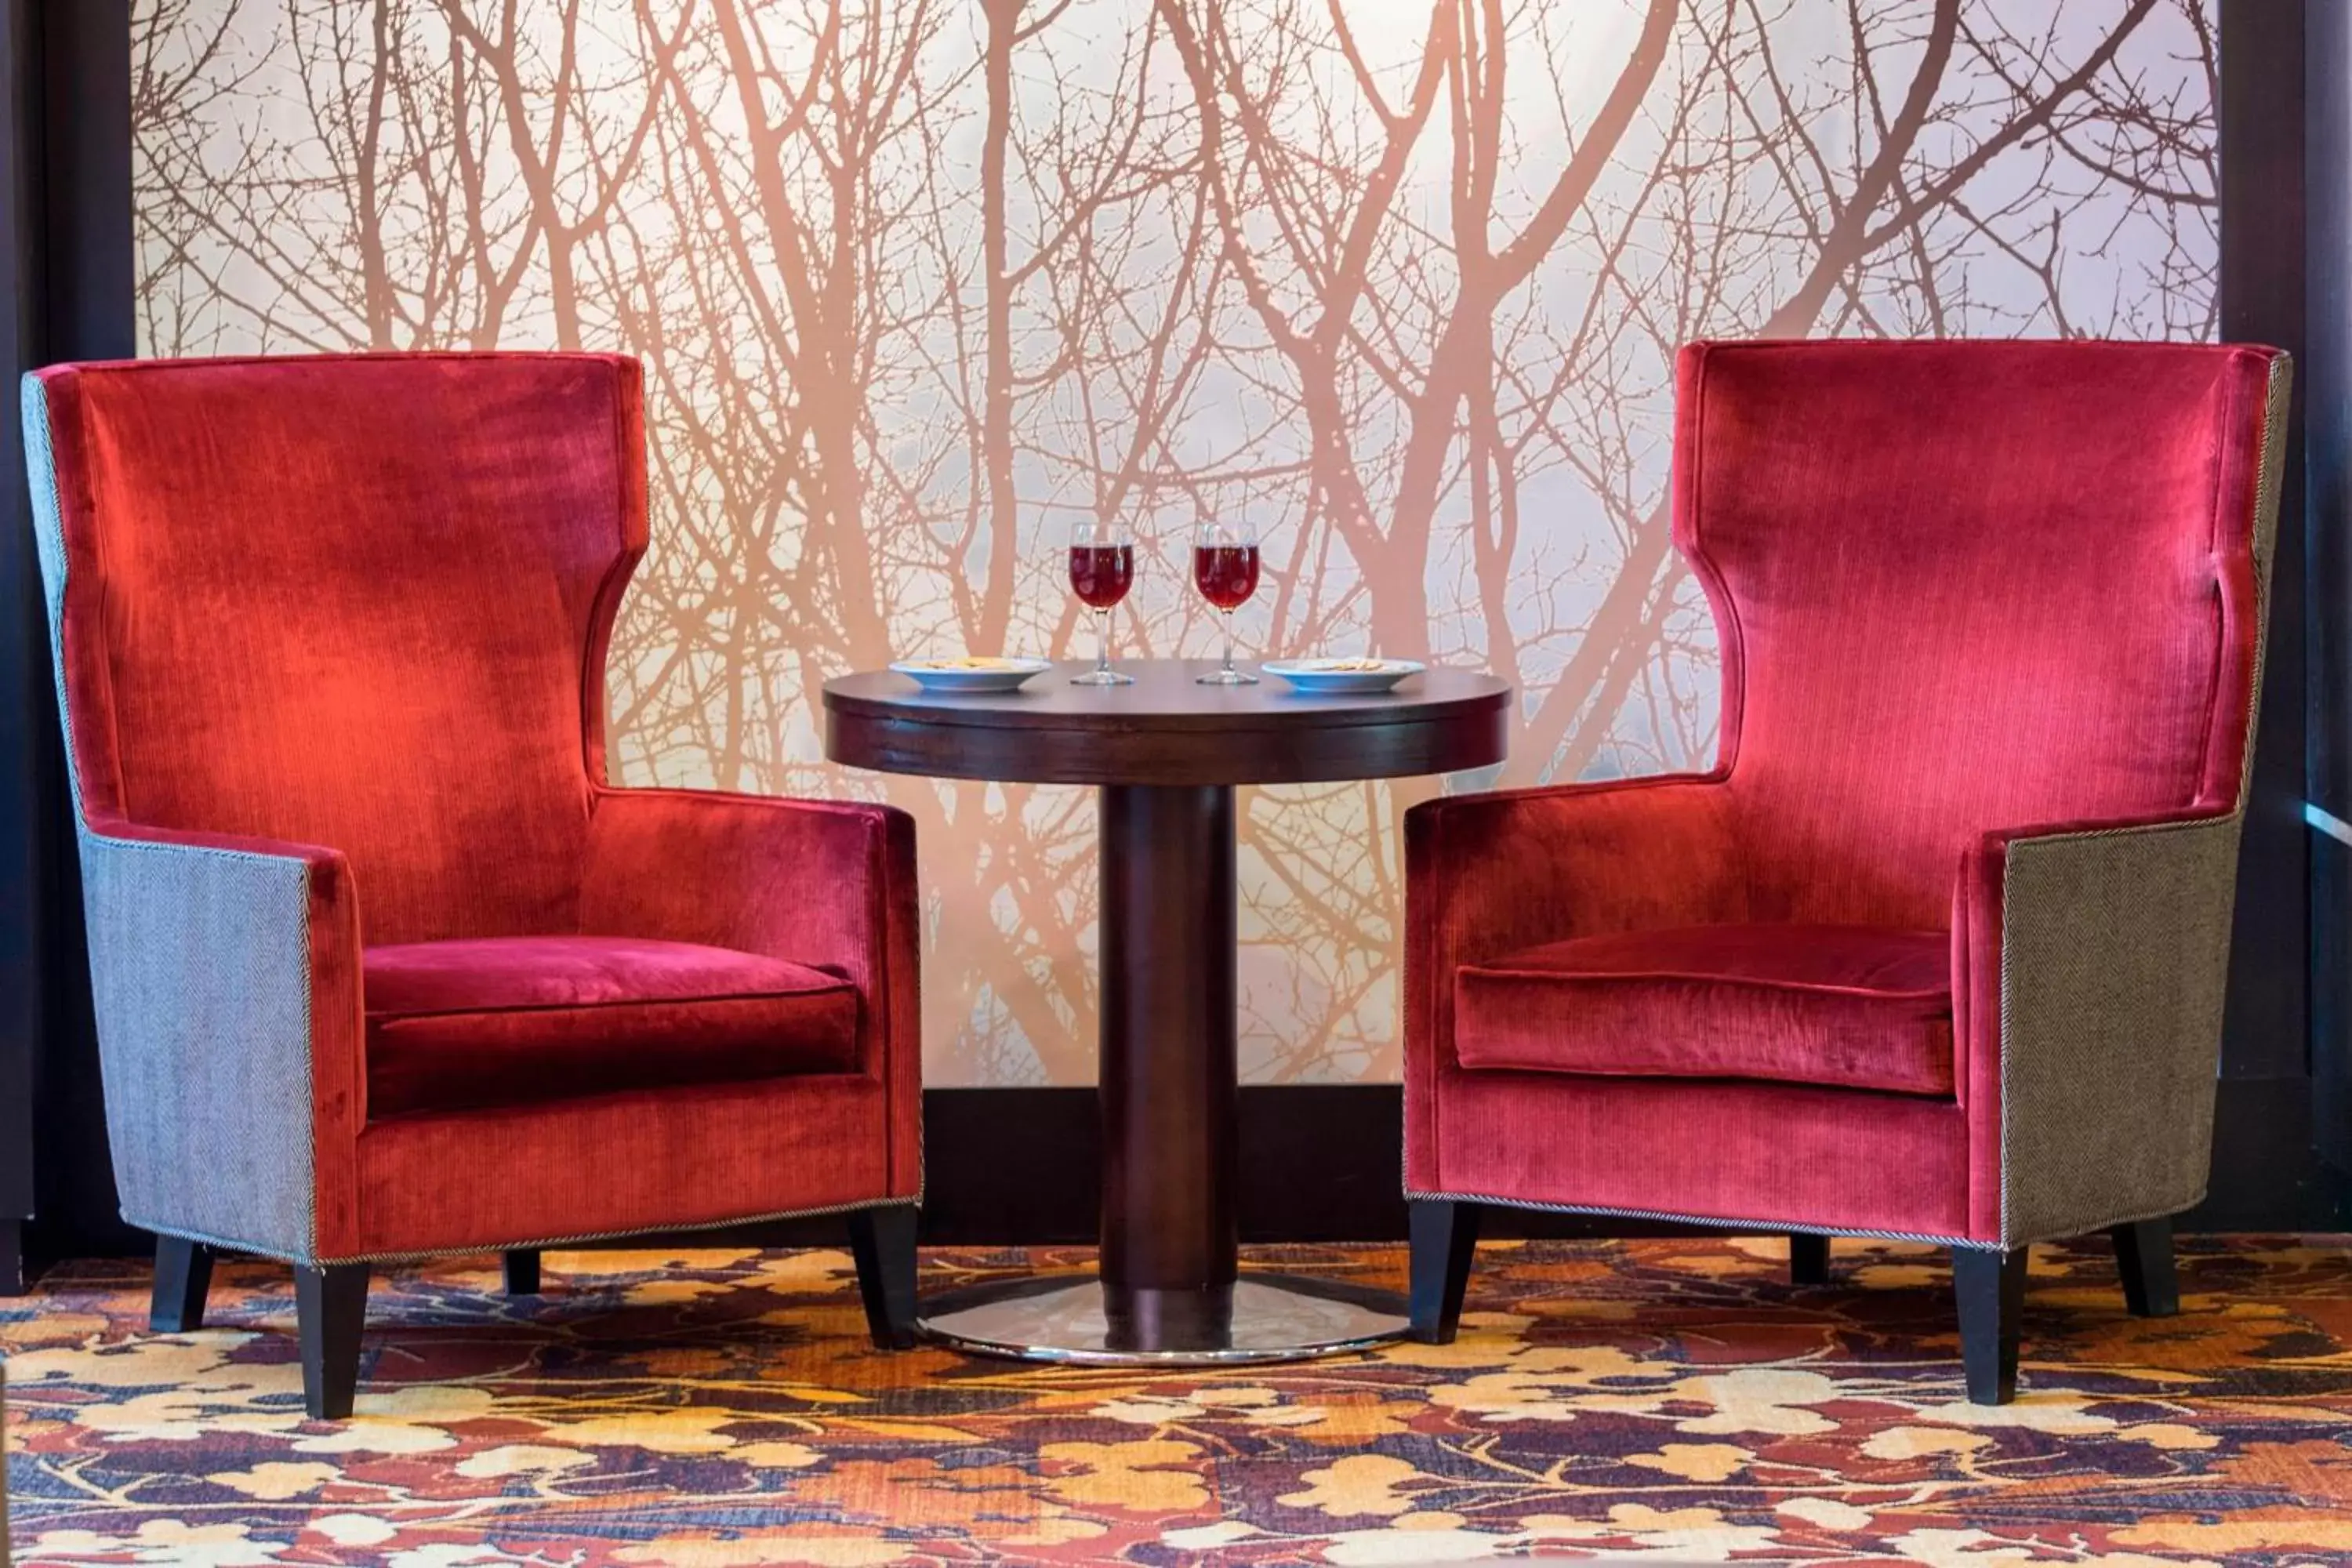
968, 661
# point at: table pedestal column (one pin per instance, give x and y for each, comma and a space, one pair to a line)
1171, 1104
1170, 1290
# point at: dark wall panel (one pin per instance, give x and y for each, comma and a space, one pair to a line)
22, 658
2262, 150
2327, 401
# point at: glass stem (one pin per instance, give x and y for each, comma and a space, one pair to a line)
1102, 642
1229, 642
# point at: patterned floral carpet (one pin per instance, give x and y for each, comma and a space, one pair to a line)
1653, 1401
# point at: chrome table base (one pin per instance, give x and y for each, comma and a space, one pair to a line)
1271, 1318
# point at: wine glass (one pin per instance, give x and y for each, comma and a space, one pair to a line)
1224, 568
1102, 568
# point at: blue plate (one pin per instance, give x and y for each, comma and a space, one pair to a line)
1342, 676
971, 675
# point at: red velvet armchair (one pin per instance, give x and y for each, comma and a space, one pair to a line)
1937, 950
384, 966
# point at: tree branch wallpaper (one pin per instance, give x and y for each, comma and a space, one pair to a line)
917, 283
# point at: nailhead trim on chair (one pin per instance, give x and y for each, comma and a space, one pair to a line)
575, 1239
1721, 1222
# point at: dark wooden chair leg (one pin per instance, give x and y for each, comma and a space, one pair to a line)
1990, 1287
1443, 1237
1809, 1260
522, 1271
329, 1310
183, 1272
882, 1242
2144, 1257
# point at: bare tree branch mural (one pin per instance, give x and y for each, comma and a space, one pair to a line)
917, 283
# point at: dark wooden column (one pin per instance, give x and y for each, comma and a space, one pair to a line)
2267, 1172
66, 268
24, 813
2326, 384
2262, 302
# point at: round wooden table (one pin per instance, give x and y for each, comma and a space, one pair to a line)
1166, 754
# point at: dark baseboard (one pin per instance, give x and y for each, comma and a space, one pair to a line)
1324, 1163
1017, 1167
2267, 1175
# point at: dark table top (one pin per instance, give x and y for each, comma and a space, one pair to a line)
1165, 729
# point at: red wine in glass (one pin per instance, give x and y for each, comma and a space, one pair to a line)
1224, 568
1102, 569
1227, 574
1101, 575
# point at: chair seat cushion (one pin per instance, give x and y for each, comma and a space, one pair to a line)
1853, 1006
460, 1025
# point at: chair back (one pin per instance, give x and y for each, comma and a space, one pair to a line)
356, 601
1963, 587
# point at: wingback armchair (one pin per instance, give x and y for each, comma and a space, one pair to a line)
383, 965
1936, 949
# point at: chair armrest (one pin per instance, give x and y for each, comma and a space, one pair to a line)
2093, 958
1486, 874
225, 974
827, 884
1490, 873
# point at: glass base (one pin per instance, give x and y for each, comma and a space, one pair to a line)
1227, 678
1102, 678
